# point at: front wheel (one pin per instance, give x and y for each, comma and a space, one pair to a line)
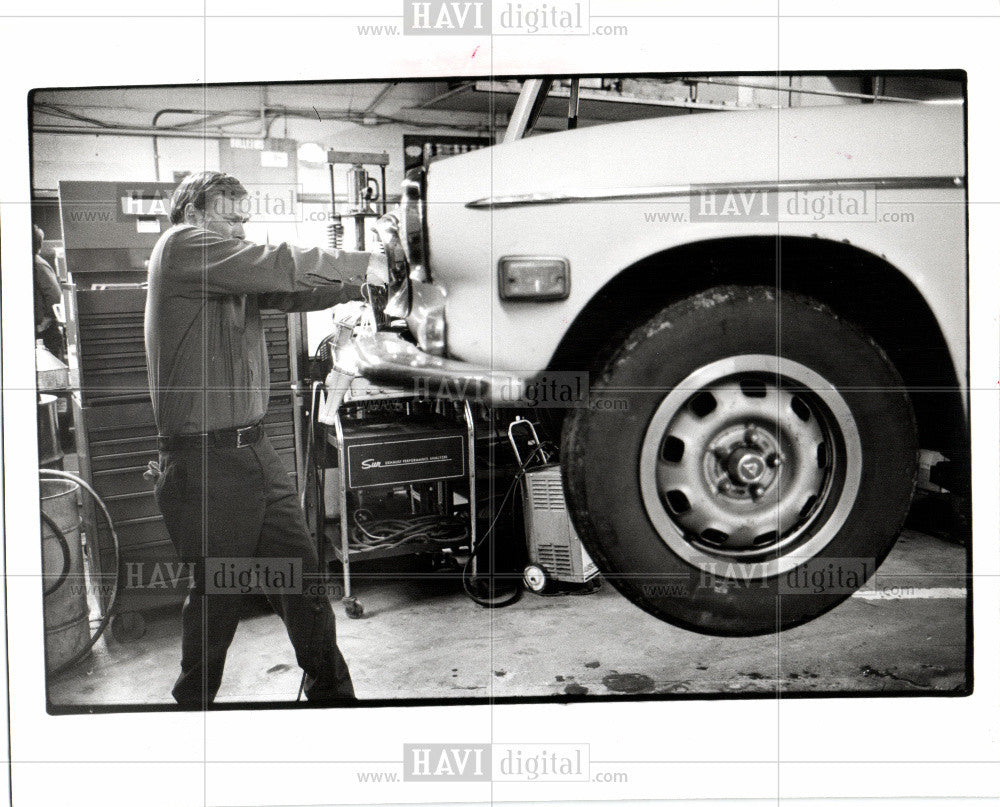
755, 468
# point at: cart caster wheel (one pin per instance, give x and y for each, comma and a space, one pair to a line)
354, 609
535, 578
128, 626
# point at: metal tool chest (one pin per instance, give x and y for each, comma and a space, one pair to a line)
116, 436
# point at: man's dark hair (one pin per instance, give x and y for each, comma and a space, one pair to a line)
37, 236
196, 188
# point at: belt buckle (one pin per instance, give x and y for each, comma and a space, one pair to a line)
246, 430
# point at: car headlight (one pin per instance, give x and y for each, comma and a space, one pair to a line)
413, 222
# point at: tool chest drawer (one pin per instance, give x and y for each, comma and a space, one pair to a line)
116, 431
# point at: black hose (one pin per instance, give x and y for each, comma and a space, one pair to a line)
112, 604
500, 601
309, 462
490, 601
319, 463
314, 470
387, 533
67, 558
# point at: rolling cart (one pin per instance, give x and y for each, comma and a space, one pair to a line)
424, 450
555, 552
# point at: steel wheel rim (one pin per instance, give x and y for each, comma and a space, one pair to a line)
750, 466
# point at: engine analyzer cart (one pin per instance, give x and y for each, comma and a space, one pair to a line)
423, 449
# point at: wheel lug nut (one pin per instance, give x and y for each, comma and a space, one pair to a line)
774, 461
756, 491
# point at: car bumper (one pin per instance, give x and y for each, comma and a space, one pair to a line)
389, 360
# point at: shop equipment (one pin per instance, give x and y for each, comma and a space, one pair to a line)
67, 627
406, 481
555, 552
362, 191
68, 637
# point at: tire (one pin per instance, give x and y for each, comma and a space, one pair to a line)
750, 467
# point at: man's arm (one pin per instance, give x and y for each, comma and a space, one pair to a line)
207, 263
312, 300
319, 299
48, 284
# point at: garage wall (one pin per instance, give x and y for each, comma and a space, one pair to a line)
108, 157
65, 156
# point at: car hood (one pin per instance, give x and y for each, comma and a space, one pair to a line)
836, 142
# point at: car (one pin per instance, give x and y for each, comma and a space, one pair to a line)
769, 307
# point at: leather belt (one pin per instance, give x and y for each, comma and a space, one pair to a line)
242, 437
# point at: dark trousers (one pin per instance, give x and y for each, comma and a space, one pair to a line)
54, 339
239, 503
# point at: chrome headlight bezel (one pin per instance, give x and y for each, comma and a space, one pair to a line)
399, 289
426, 319
413, 222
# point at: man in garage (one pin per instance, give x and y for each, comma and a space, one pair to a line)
48, 294
222, 489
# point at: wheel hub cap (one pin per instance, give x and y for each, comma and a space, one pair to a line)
741, 457
743, 461
745, 467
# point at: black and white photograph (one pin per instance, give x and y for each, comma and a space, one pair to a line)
356, 378
645, 323
411, 422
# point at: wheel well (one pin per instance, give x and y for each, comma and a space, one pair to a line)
859, 286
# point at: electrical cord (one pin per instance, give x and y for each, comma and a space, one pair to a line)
310, 463
467, 584
113, 601
584, 590
314, 469
66, 557
370, 533
252, 116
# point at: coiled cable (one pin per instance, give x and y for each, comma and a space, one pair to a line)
66, 558
502, 600
369, 533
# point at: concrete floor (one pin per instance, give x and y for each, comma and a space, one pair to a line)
422, 638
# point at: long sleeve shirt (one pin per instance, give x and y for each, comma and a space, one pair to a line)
47, 290
205, 347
